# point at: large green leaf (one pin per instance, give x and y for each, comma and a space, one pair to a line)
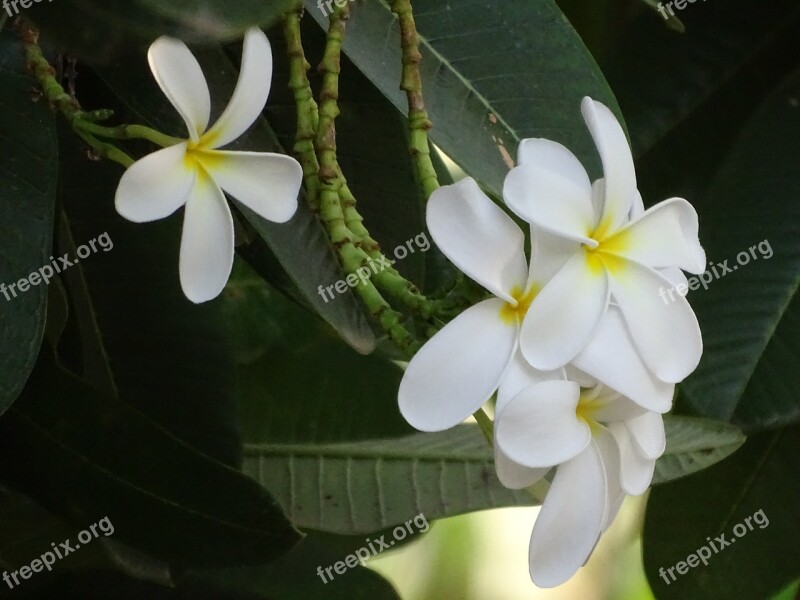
28, 175
300, 246
295, 577
153, 338
492, 73
763, 476
86, 456
693, 445
297, 382
661, 78
359, 487
99, 29
751, 317
29, 530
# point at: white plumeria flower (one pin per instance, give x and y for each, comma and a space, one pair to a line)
195, 172
605, 446
462, 366
614, 253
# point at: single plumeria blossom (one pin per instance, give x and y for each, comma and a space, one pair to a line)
604, 445
615, 253
196, 173
463, 365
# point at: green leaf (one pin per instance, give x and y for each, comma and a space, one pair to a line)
300, 246
694, 445
750, 317
297, 382
360, 487
101, 29
294, 577
488, 81
152, 337
763, 476
29, 530
662, 80
28, 176
86, 456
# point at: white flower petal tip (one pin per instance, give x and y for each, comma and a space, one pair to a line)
206, 256
612, 359
478, 237
458, 369
540, 428
180, 77
251, 93
570, 521
268, 184
155, 186
515, 476
615, 154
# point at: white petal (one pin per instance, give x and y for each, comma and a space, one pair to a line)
615, 153
664, 236
609, 454
250, 95
562, 318
550, 200
666, 333
552, 156
519, 375
648, 433
549, 253
206, 254
570, 521
266, 183
615, 407
612, 358
155, 186
478, 237
180, 77
458, 369
637, 210
636, 471
515, 476
675, 275
539, 427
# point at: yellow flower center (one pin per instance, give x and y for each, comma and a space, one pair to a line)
586, 410
609, 246
514, 313
200, 155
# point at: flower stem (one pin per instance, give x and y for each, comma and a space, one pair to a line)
486, 425
331, 184
125, 132
418, 121
307, 110
60, 100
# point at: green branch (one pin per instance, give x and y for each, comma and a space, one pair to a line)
411, 84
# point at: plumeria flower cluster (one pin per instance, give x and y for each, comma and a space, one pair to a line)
196, 173
581, 353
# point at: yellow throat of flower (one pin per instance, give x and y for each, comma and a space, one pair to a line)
514, 313
587, 408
